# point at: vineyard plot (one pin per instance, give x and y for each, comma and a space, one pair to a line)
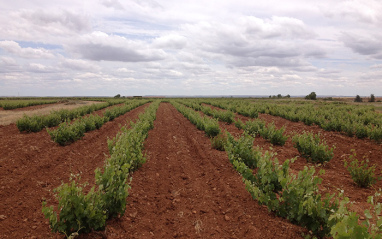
31, 166
186, 189
336, 176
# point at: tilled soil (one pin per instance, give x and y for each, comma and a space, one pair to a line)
336, 176
188, 190
31, 166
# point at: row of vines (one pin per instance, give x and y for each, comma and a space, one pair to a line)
80, 212
352, 120
15, 104
38, 122
292, 196
68, 132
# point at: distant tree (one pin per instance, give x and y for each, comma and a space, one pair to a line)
358, 99
117, 96
287, 96
372, 98
270, 97
279, 96
311, 96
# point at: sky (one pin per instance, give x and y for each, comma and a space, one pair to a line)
199, 47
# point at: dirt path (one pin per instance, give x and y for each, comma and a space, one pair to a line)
336, 175
31, 166
188, 190
11, 116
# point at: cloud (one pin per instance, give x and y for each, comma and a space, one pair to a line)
359, 11
276, 27
28, 52
49, 26
172, 41
267, 61
252, 41
8, 64
148, 4
100, 46
113, 4
57, 21
124, 70
369, 45
40, 68
79, 65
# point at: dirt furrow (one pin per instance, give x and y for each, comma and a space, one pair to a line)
188, 190
31, 166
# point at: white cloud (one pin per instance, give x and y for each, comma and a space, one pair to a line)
280, 41
8, 64
364, 11
124, 70
99, 46
41, 68
171, 41
370, 45
276, 27
46, 26
79, 65
57, 22
27, 52
113, 4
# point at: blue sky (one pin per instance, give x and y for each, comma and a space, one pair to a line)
136, 47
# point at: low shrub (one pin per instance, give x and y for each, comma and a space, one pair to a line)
239, 124
247, 111
211, 127
275, 136
296, 198
76, 211
312, 147
375, 133
30, 123
218, 142
225, 116
67, 133
254, 127
113, 187
361, 173
301, 203
348, 225
242, 150
51, 120
360, 131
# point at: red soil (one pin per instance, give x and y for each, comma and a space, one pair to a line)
31, 166
188, 190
